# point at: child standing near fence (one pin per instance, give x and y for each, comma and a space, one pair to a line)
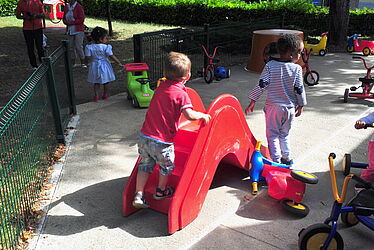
100, 71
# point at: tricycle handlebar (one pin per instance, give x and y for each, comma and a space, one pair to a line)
359, 57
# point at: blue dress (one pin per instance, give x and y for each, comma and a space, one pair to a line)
101, 70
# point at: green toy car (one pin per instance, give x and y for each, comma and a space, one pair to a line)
139, 91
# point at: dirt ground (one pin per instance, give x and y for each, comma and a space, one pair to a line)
16, 69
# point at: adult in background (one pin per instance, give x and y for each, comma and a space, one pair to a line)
74, 20
32, 12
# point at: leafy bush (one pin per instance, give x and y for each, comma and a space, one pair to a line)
7, 7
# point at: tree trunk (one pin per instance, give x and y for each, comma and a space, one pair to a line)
109, 17
339, 20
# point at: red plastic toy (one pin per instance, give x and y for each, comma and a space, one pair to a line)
283, 183
198, 151
55, 9
367, 47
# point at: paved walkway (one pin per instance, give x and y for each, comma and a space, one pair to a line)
85, 212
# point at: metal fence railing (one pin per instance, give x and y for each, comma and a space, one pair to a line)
235, 38
31, 125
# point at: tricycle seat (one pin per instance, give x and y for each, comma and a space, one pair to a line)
366, 80
364, 199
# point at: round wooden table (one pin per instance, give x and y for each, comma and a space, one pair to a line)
261, 39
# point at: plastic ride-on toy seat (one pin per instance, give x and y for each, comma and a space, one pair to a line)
139, 91
283, 183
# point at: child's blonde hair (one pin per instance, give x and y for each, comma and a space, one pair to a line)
177, 66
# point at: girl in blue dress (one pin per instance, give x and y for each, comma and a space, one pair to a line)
101, 71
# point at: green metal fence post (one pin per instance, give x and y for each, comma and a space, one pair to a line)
69, 78
54, 102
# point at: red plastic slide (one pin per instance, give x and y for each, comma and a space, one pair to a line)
198, 151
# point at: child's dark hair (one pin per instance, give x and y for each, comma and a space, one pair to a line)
288, 43
98, 33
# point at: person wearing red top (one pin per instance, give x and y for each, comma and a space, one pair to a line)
32, 12
160, 126
74, 20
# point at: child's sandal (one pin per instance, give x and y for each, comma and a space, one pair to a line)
161, 194
139, 201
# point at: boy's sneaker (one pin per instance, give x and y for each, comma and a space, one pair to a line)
161, 194
287, 162
139, 201
84, 65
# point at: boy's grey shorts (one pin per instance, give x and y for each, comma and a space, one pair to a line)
152, 152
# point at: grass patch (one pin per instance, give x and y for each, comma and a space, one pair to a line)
13, 55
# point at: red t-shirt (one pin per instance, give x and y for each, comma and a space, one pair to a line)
161, 120
32, 7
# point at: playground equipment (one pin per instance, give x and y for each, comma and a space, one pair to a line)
138, 89
359, 209
320, 47
354, 45
311, 77
367, 83
55, 9
210, 70
283, 183
198, 151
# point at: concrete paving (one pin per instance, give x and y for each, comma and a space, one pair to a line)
85, 210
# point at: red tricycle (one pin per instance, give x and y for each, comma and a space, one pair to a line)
283, 183
353, 44
210, 69
311, 77
367, 84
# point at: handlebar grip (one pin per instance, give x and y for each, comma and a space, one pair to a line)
333, 155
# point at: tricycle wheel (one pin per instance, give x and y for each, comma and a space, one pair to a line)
346, 95
311, 78
349, 218
322, 52
135, 102
228, 74
304, 176
350, 49
366, 51
347, 163
297, 209
208, 76
314, 236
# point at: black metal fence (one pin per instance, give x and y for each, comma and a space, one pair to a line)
234, 38
31, 125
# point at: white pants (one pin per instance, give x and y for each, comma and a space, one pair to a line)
278, 124
76, 43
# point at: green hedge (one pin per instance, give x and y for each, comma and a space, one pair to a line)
194, 12
7, 7
299, 14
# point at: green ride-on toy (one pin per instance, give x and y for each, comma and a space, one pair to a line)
139, 93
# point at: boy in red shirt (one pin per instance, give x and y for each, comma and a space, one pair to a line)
155, 144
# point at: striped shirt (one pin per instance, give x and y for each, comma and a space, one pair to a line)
283, 82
